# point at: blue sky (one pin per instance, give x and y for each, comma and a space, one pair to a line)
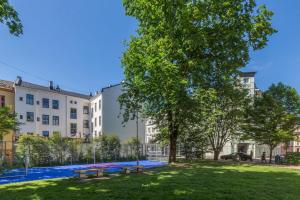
78, 44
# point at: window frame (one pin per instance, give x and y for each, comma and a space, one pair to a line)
28, 115
45, 119
29, 99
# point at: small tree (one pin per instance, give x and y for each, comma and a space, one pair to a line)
8, 121
273, 117
220, 114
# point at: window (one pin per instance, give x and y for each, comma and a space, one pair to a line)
73, 129
29, 99
75, 102
246, 80
55, 104
71, 102
92, 127
92, 114
37, 102
85, 110
95, 122
95, 107
45, 119
99, 133
21, 98
99, 120
73, 113
21, 116
99, 104
45, 133
38, 119
2, 101
55, 120
45, 103
30, 116
85, 123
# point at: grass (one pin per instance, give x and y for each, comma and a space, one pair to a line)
203, 180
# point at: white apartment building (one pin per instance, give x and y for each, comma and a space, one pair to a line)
45, 110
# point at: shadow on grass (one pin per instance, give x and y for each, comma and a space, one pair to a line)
203, 180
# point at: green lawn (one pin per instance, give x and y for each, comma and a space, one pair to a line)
204, 180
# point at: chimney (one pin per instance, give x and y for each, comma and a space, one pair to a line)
57, 88
91, 94
51, 85
18, 80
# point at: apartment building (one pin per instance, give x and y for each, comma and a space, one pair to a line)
46, 110
7, 97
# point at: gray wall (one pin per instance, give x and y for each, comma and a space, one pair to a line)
112, 120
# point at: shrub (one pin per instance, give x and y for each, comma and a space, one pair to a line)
293, 158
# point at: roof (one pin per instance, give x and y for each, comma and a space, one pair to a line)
247, 74
110, 86
8, 85
47, 89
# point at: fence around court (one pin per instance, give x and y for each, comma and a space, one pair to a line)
39, 155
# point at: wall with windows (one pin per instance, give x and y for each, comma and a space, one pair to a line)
43, 112
96, 115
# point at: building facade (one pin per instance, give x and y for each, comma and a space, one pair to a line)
112, 118
7, 99
46, 110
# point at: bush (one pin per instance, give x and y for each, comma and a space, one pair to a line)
293, 158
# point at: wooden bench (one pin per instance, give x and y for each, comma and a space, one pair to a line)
84, 173
128, 169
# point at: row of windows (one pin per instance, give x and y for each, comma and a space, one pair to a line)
96, 106
46, 119
97, 119
55, 105
45, 102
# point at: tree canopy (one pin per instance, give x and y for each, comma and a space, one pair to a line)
273, 117
10, 18
183, 45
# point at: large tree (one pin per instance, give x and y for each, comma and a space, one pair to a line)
273, 117
182, 45
10, 17
8, 121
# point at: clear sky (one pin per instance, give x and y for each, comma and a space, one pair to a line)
78, 44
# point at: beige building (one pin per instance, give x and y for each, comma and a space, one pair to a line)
7, 98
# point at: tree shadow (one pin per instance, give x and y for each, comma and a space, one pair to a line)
205, 180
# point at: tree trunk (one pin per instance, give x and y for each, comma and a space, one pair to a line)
216, 154
271, 152
173, 141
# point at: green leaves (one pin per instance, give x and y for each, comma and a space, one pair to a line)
8, 121
273, 117
182, 46
10, 17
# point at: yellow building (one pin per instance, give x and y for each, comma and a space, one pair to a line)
7, 98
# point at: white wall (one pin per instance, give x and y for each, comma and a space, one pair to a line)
96, 117
63, 112
112, 120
